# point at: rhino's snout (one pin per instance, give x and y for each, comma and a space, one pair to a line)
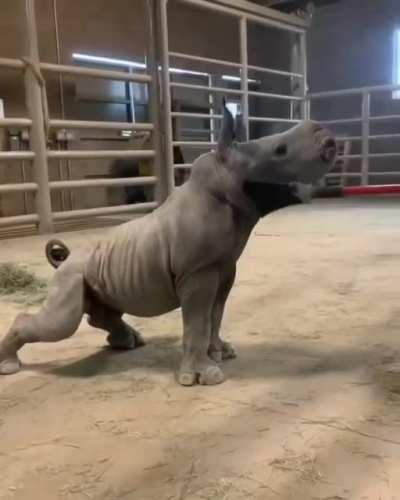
328, 149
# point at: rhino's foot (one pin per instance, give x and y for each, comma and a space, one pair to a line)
222, 352
9, 364
206, 373
126, 339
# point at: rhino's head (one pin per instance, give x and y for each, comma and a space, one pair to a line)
302, 154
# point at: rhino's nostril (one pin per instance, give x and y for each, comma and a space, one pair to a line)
329, 143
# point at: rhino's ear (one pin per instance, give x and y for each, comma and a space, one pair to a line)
240, 129
227, 133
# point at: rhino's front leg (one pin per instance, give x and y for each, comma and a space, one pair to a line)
197, 296
219, 349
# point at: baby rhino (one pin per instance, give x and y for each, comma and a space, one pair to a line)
183, 254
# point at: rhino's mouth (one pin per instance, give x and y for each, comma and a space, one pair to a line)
328, 150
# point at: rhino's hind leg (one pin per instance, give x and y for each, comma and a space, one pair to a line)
120, 334
58, 319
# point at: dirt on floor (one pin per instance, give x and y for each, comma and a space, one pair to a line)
308, 410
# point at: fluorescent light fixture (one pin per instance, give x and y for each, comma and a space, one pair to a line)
134, 64
230, 78
396, 62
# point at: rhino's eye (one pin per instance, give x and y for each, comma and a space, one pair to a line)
281, 150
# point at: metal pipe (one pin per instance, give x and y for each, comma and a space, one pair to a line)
37, 139
17, 220
122, 181
17, 155
95, 73
365, 131
262, 69
101, 154
15, 122
353, 91
19, 187
190, 57
196, 115
305, 107
205, 88
163, 48
296, 25
92, 212
272, 120
384, 118
269, 95
163, 170
244, 84
200, 144
6, 62
342, 120
337, 192
99, 125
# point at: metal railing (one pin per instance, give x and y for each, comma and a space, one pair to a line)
365, 119
39, 154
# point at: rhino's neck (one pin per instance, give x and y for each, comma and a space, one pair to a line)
269, 197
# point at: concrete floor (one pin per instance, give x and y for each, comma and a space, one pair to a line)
307, 411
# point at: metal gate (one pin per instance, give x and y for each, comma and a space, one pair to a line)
162, 81
245, 15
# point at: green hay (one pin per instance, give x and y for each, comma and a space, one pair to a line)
21, 285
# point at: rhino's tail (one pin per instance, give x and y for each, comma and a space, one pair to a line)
56, 252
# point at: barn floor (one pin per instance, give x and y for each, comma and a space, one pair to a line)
306, 412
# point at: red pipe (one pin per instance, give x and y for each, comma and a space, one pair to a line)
338, 192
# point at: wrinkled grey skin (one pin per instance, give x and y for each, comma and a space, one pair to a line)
182, 255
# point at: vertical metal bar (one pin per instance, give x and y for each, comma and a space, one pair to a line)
211, 103
38, 138
166, 181
365, 132
244, 73
305, 106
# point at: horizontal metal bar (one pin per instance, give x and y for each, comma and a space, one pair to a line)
122, 181
262, 69
101, 154
349, 157
276, 19
16, 155
383, 174
272, 120
6, 62
350, 138
353, 91
190, 57
95, 73
18, 220
383, 136
99, 125
205, 88
384, 155
195, 144
15, 122
341, 120
371, 137
16, 188
275, 96
384, 118
344, 174
183, 165
195, 115
92, 212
